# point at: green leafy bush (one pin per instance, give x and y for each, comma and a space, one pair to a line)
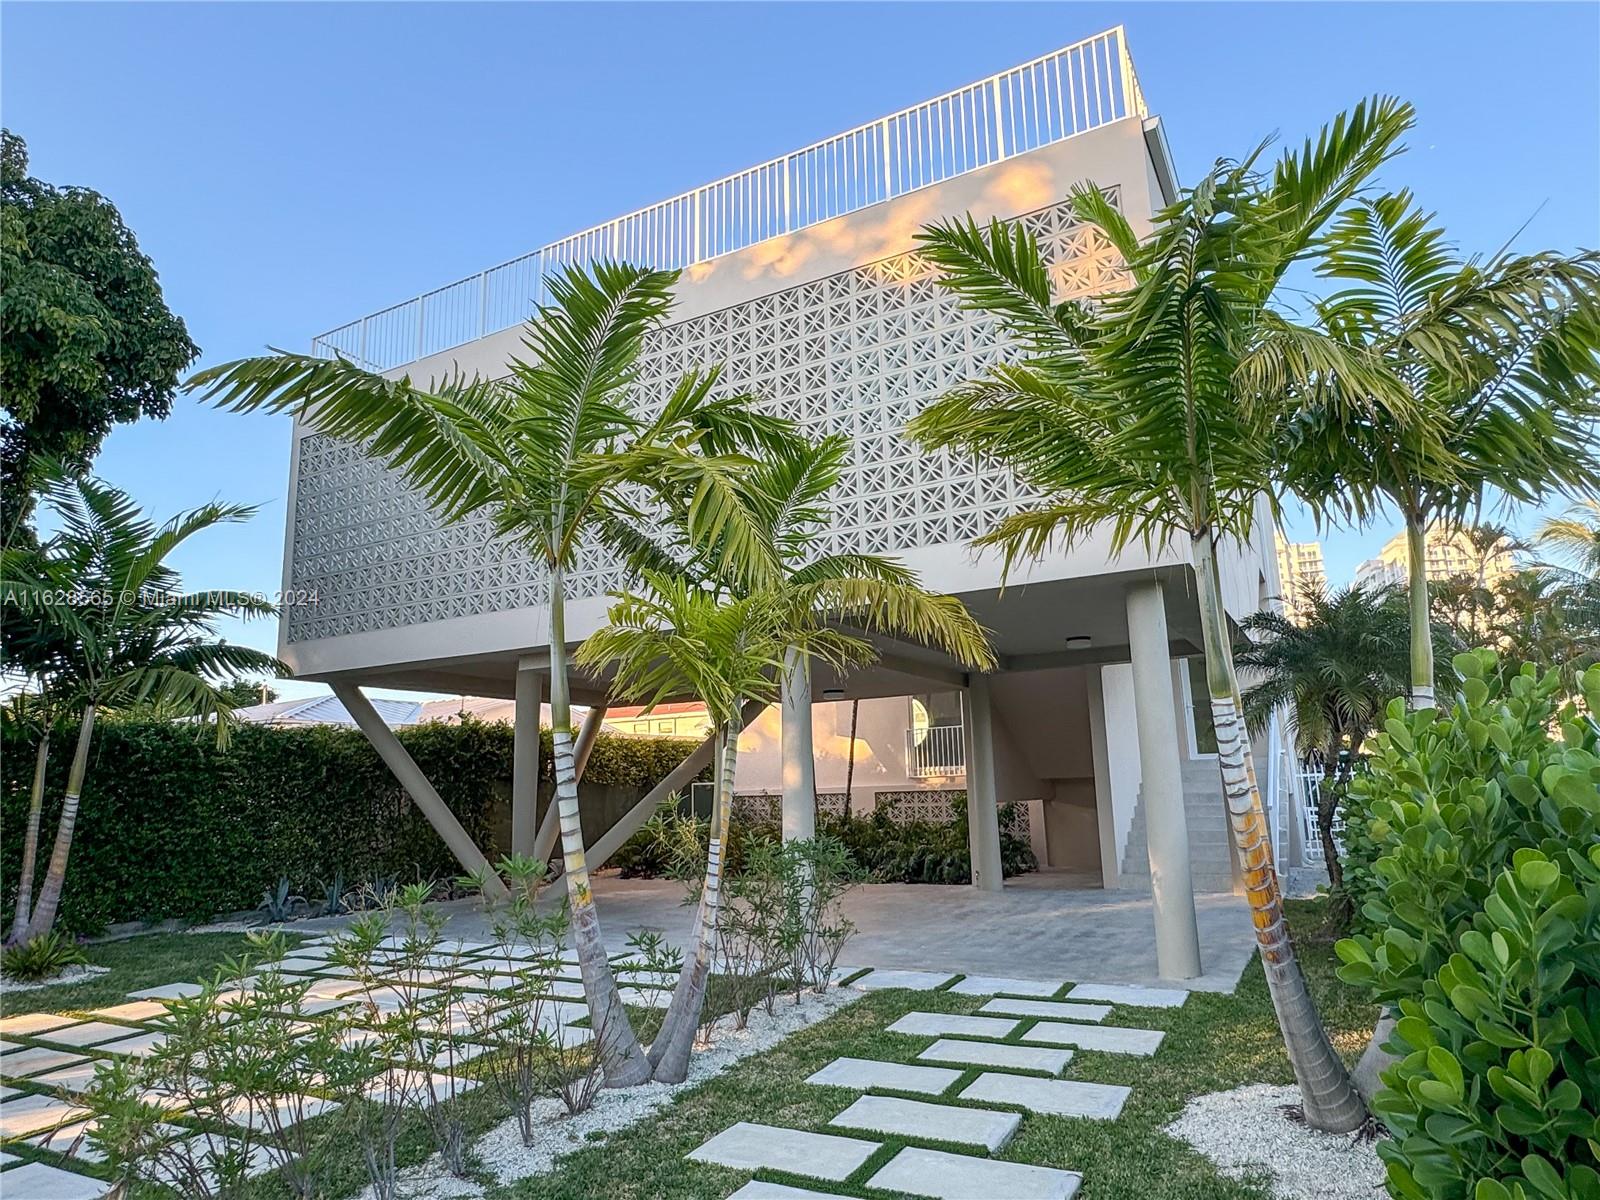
1474, 838
171, 826
40, 958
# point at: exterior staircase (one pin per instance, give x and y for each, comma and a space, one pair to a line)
1210, 843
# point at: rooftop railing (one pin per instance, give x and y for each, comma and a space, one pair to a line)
1069, 91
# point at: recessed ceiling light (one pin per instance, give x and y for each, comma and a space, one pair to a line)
1080, 641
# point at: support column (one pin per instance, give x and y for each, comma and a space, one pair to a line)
983, 809
1161, 784
798, 755
422, 793
525, 760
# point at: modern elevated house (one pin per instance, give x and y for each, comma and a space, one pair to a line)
800, 278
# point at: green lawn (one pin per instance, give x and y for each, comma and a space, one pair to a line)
1213, 1043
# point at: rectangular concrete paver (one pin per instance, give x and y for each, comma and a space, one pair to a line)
1112, 1038
168, 991
927, 1024
961, 1177
32, 1114
749, 1147
136, 1046
138, 1010
1130, 993
934, 1122
29, 1024
997, 985
91, 1033
1061, 1010
864, 1073
36, 1181
756, 1190
23, 1063
1058, 1097
923, 981
990, 1054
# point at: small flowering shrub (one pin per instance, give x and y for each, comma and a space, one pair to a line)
1474, 839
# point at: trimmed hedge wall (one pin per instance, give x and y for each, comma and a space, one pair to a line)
169, 826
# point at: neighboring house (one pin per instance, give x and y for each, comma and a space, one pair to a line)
801, 280
1449, 553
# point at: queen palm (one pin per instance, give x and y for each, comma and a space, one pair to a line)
1501, 363
1335, 669
553, 451
1129, 418
124, 635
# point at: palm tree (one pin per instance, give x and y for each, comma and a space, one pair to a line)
102, 591
676, 638
1130, 418
31, 715
822, 603
1335, 671
556, 451
1499, 362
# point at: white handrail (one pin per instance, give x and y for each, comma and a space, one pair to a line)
1055, 96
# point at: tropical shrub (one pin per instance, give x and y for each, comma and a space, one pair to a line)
41, 957
1474, 843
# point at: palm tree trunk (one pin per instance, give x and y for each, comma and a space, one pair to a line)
670, 1051
30, 844
1327, 805
850, 763
44, 917
1421, 621
1330, 1102
623, 1060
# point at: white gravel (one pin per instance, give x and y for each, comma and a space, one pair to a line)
502, 1155
76, 973
1247, 1135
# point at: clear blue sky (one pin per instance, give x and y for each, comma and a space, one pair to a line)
292, 166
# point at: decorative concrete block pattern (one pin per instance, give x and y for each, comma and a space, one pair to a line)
36, 1181
1061, 1010
927, 1024
1130, 993
933, 1122
993, 1054
1111, 1038
1058, 1097
863, 1073
922, 981
996, 985
750, 1147
947, 1176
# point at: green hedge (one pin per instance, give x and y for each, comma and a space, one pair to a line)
172, 827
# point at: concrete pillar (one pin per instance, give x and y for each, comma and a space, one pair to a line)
983, 811
1104, 797
525, 761
1161, 784
799, 764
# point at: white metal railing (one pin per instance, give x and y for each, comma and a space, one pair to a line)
1311, 777
1066, 92
942, 751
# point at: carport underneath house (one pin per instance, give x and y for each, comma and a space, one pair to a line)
837, 324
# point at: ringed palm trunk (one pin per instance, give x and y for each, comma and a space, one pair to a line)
30, 844
1329, 1099
620, 1055
44, 917
1421, 621
671, 1049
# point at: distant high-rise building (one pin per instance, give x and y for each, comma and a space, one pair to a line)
1301, 576
1450, 552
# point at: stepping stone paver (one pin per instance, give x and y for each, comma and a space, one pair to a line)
996, 985
963, 1177
70, 1141
749, 1147
927, 1024
136, 1046
91, 1033
168, 991
645, 997
31, 1114
1058, 1097
31, 1061
138, 1010
757, 1190
36, 1181
924, 981
992, 1054
70, 1079
1061, 1010
863, 1073
936, 1122
1130, 993
1112, 1038
29, 1024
